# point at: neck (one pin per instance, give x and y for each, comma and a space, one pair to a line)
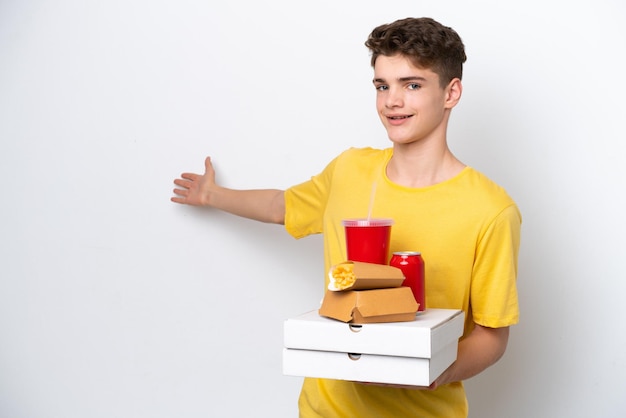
421, 165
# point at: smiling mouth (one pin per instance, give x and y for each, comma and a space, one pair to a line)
399, 117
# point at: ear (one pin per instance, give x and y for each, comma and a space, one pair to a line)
454, 90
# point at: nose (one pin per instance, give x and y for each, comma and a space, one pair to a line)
393, 98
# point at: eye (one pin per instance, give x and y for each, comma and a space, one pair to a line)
414, 86
382, 87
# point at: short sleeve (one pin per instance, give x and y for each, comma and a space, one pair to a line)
306, 202
494, 298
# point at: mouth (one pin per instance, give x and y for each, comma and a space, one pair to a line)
399, 117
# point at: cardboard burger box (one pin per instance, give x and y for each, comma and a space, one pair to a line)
370, 306
409, 353
367, 293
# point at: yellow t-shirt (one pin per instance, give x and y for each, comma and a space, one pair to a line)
468, 231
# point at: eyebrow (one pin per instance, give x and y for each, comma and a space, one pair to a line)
401, 79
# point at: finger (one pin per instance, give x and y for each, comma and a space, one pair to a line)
181, 183
189, 176
181, 192
209, 171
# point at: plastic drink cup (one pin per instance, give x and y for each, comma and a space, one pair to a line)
367, 240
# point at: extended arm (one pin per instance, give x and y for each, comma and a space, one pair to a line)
265, 205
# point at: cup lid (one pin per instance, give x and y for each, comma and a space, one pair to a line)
368, 222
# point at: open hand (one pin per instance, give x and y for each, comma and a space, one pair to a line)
195, 189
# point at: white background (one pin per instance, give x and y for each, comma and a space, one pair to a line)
115, 302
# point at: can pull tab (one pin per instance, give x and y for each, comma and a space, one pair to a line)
354, 356
355, 328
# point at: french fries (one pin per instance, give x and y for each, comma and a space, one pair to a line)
343, 276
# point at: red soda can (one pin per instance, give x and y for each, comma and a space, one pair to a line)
412, 265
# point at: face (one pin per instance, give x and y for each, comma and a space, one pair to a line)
410, 101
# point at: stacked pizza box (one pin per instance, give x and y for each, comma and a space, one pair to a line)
367, 329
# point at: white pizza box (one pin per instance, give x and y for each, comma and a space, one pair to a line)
371, 368
430, 332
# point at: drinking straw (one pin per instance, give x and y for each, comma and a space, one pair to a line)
369, 212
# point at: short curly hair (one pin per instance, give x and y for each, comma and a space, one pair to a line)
426, 42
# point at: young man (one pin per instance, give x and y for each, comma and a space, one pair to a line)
466, 226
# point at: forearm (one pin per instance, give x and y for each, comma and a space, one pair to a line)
479, 350
265, 205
